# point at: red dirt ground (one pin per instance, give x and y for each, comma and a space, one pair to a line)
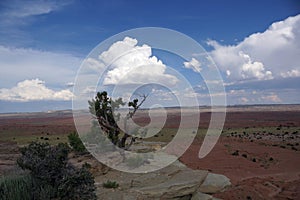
59, 122
262, 179
261, 165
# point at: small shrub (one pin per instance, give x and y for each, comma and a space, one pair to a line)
235, 153
110, 184
46, 164
52, 176
87, 165
293, 148
76, 143
77, 184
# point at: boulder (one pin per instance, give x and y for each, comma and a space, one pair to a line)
214, 183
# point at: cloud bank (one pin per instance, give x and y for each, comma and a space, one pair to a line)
33, 90
273, 53
17, 64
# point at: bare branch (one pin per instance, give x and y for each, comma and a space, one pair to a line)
138, 106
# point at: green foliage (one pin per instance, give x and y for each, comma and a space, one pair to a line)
110, 184
17, 187
44, 161
51, 173
103, 108
76, 143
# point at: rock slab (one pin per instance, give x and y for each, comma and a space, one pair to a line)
176, 182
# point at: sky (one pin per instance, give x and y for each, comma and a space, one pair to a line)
254, 44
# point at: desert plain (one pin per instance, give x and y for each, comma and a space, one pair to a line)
259, 148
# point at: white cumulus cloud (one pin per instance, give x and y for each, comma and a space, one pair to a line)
273, 53
32, 90
194, 64
130, 63
253, 69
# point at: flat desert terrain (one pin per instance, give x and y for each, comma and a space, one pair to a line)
259, 149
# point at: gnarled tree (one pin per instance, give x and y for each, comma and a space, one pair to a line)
103, 108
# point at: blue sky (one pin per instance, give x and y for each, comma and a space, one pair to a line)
42, 44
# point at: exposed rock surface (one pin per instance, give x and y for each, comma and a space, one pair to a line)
97, 169
173, 182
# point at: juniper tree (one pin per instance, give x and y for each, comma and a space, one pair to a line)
103, 108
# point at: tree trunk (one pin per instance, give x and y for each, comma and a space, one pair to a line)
123, 140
